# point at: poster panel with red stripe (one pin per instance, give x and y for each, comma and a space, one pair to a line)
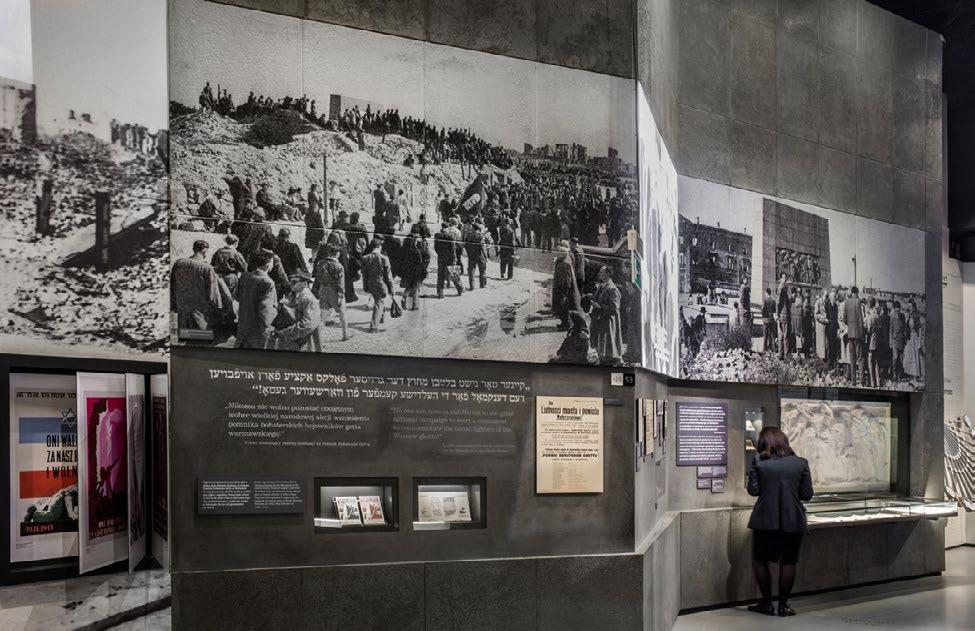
44, 503
103, 470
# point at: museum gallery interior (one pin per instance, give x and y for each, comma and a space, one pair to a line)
421, 315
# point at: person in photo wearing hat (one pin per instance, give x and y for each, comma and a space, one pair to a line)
194, 289
565, 291
258, 301
606, 326
330, 285
303, 335
507, 243
228, 262
445, 247
290, 253
476, 256
378, 280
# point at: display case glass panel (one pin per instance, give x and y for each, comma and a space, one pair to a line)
852, 509
851, 446
356, 505
449, 503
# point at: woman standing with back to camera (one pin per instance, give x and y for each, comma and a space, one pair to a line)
782, 482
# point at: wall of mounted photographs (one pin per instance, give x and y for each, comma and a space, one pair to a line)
276, 150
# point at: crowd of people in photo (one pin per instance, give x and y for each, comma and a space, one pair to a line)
553, 202
139, 139
290, 301
870, 340
260, 289
440, 144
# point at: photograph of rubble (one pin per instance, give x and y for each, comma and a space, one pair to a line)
83, 182
365, 193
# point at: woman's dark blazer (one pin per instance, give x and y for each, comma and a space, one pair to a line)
781, 485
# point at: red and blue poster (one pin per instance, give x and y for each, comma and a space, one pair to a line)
103, 479
44, 505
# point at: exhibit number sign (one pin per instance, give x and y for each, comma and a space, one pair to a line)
43, 467
103, 470
702, 434
568, 445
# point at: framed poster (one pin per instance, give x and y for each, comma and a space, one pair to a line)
43, 467
102, 471
568, 445
135, 399
159, 434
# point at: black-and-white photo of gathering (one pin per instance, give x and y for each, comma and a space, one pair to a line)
772, 291
397, 197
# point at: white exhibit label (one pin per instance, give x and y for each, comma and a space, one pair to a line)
568, 445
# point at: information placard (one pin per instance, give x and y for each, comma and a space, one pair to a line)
702, 434
245, 496
568, 445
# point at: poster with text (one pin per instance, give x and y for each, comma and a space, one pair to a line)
43, 467
702, 434
102, 472
159, 428
135, 395
568, 445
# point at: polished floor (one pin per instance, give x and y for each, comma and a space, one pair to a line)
937, 602
89, 602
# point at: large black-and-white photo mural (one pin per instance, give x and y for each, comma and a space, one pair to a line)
773, 291
83, 180
340, 190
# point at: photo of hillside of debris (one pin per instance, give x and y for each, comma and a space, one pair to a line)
64, 281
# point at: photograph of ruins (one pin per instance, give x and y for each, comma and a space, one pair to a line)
83, 183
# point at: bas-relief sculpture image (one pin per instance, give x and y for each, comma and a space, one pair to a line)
847, 444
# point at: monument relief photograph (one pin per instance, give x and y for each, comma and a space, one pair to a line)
773, 291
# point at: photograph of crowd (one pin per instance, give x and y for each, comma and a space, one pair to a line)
396, 197
773, 291
83, 181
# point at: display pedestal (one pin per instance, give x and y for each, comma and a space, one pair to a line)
830, 557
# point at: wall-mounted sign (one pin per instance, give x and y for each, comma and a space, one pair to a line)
568, 445
247, 496
702, 434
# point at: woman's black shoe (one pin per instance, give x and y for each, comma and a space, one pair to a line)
766, 609
785, 610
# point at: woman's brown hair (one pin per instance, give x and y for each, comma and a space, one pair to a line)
773, 443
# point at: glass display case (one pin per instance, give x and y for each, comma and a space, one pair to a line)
356, 505
843, 509
449, 503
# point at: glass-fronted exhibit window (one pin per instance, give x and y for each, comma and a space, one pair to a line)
449, 503
855, 443
356, 504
